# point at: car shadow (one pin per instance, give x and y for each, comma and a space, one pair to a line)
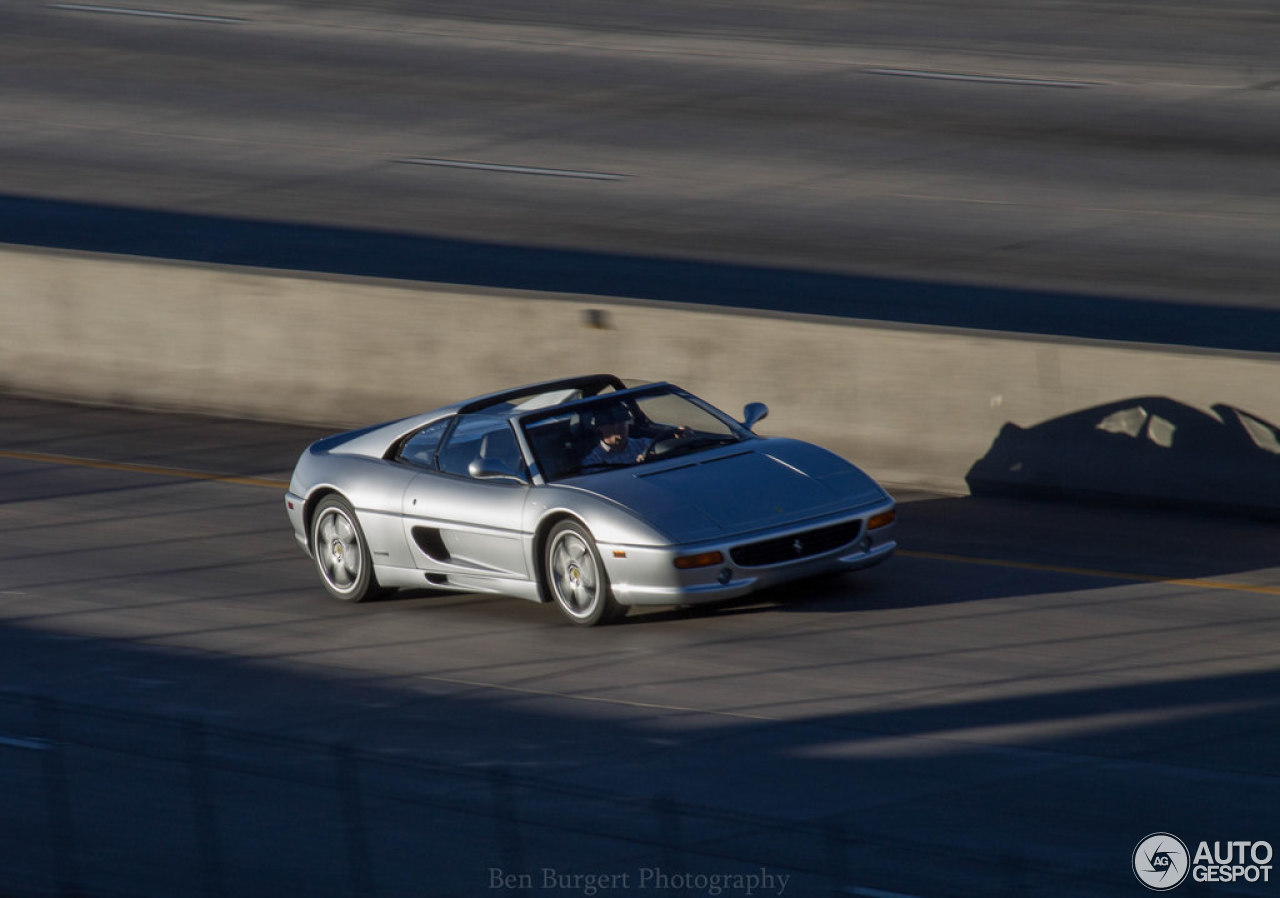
1150, 450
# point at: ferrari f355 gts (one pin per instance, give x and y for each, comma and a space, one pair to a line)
591, 493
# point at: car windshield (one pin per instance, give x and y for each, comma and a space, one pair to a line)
620, 431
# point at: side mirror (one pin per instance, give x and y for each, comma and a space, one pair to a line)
754, 413
494, 469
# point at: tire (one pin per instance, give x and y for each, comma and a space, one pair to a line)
341, 553
576, 579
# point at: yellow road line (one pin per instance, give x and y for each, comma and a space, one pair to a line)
183, 473
132, 468
1091, 572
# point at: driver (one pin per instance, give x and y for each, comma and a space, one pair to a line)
616, 446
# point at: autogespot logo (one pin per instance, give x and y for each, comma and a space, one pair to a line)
1161, 862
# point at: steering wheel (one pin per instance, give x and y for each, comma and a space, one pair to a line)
664, 444
661, 447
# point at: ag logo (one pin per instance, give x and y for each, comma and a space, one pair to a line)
1161, 862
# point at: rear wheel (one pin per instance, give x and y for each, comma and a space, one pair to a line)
341, 554
576, 579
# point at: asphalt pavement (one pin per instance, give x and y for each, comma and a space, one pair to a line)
1007, 707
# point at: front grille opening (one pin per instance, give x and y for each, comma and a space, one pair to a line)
796, 545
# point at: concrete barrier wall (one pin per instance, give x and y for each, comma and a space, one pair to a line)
911, 405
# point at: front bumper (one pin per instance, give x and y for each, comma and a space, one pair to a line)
648, 576
295, 508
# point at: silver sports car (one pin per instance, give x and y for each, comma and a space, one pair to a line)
590, 492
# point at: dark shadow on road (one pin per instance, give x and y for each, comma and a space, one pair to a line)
222, 775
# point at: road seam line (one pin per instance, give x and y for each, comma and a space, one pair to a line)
145, 13
982, 79
516, 169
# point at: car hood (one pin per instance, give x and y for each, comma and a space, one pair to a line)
751, 486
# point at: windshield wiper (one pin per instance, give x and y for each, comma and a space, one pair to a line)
693, 444
600, 465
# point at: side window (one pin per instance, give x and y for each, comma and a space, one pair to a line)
420, 449
558, 444
476, 437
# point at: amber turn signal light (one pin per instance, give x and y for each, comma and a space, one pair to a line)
702, 559
883, 519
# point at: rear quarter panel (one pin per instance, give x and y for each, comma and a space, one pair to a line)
374, 487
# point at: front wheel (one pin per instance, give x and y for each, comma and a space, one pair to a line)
576, 578
341, 554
